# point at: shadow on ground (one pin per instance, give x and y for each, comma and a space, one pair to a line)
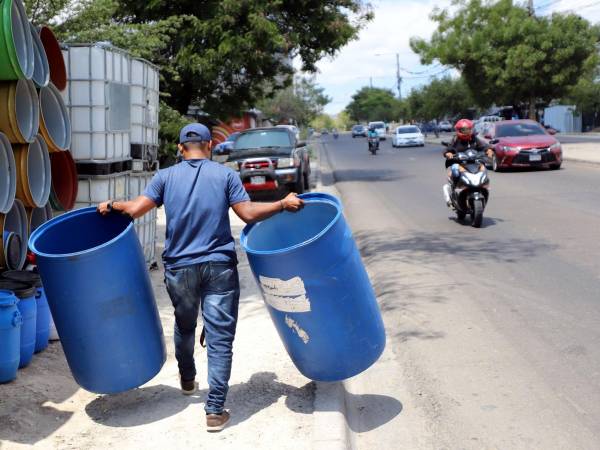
26, 412
154, 403
371, 411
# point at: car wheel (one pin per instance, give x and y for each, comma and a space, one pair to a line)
495, 166
555, 167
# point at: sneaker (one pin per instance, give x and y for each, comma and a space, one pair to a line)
188, 387
216, 422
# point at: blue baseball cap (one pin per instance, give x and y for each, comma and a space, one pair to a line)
194, 132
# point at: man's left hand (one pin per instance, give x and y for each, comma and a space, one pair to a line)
292, 203
104, 208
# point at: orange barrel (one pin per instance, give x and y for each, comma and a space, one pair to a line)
19, 111
55, 125
33, 173
8, 175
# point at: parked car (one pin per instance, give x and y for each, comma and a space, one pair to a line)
221, 151
379, 128
293, 128
522, 143
444, 125
408, 136
324, 132
271, 160
359, 130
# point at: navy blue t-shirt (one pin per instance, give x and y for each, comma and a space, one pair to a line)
197, 195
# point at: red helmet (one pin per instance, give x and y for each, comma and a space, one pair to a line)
464, 129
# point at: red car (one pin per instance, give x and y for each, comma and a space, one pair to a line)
522, 143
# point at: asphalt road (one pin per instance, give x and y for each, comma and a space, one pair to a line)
493, 333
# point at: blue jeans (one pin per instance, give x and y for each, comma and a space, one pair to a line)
214, 287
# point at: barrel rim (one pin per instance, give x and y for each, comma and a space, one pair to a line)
42, 228
311, 198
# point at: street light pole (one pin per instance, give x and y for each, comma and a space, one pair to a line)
398, 77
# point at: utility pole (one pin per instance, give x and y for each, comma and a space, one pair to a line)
530, 7
398, 77
371, 82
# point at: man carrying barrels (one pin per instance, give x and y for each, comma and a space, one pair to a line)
199, 257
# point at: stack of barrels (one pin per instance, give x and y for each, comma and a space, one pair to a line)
37, 174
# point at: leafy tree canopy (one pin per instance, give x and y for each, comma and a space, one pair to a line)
445, 97
507, 56
299, 103
220, 55
371, 104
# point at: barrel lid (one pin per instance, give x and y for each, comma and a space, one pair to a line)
7, 298
20, 289
24, 276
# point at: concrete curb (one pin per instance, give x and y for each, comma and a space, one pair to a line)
330, 427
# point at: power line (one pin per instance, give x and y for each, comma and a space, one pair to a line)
579, 8
545, 5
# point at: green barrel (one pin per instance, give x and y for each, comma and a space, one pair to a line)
16, 43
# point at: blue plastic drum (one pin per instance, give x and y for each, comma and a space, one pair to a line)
101, 299
42, 322
316, 289
27, 307
10, 336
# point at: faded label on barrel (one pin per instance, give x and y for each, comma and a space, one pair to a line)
285, 295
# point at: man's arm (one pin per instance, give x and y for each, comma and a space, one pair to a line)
251, 212
134, 208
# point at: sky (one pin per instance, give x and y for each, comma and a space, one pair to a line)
372, 57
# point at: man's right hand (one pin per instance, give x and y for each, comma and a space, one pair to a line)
449, 155
292, 203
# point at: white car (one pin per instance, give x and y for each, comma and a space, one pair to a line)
445, 126
408, 136
379, 128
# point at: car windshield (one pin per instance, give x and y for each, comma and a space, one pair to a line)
407, 130
518, 129
232, 137
263, 138
377, 125
358, 127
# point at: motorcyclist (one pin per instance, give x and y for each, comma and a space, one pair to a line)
465, 138
372, 135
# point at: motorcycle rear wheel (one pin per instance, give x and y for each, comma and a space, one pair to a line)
477, 213
460, 215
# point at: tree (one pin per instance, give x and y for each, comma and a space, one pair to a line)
322, 121
370, 104
507, 56
445, 97
222, 56
299, 103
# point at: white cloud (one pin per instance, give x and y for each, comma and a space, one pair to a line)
396, 21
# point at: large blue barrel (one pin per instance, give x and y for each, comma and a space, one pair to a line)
42, 321
10, 336
27, 307
101, 299
316, 289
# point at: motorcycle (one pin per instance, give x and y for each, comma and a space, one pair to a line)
373, 144
467, 192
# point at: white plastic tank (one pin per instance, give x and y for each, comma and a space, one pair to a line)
145, 226
144, 102
98, 96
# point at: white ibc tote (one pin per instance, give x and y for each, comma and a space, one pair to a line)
144, 102
99, 100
